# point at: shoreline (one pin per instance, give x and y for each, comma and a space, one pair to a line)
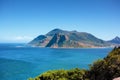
73, 47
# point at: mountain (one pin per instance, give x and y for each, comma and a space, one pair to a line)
68, 39
41, 41
116, 40
57, 40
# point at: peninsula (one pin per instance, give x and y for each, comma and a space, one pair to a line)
58, 38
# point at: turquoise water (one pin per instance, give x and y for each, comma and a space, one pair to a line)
19, 62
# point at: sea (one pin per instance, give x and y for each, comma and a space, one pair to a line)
20, 61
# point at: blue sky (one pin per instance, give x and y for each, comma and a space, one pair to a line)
23, 20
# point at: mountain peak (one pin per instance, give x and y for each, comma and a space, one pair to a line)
74, 31
116, 40
116, 37
56, 29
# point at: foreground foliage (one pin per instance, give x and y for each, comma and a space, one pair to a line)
62, 75
105, 69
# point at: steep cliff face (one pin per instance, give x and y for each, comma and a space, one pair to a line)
73, 39
58, 40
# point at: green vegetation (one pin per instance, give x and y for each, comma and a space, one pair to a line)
105, 69
73, 74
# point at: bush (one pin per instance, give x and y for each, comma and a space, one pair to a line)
106, 69
73, 74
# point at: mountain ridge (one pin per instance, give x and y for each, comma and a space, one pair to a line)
58, 38
115, 40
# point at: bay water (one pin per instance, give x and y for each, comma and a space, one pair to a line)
20, 62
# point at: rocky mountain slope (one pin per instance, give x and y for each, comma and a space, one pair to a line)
68, 39
116, 40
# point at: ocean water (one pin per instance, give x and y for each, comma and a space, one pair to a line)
19, 62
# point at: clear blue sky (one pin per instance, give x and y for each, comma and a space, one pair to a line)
23, 20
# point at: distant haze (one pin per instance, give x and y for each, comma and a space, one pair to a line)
23, 20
